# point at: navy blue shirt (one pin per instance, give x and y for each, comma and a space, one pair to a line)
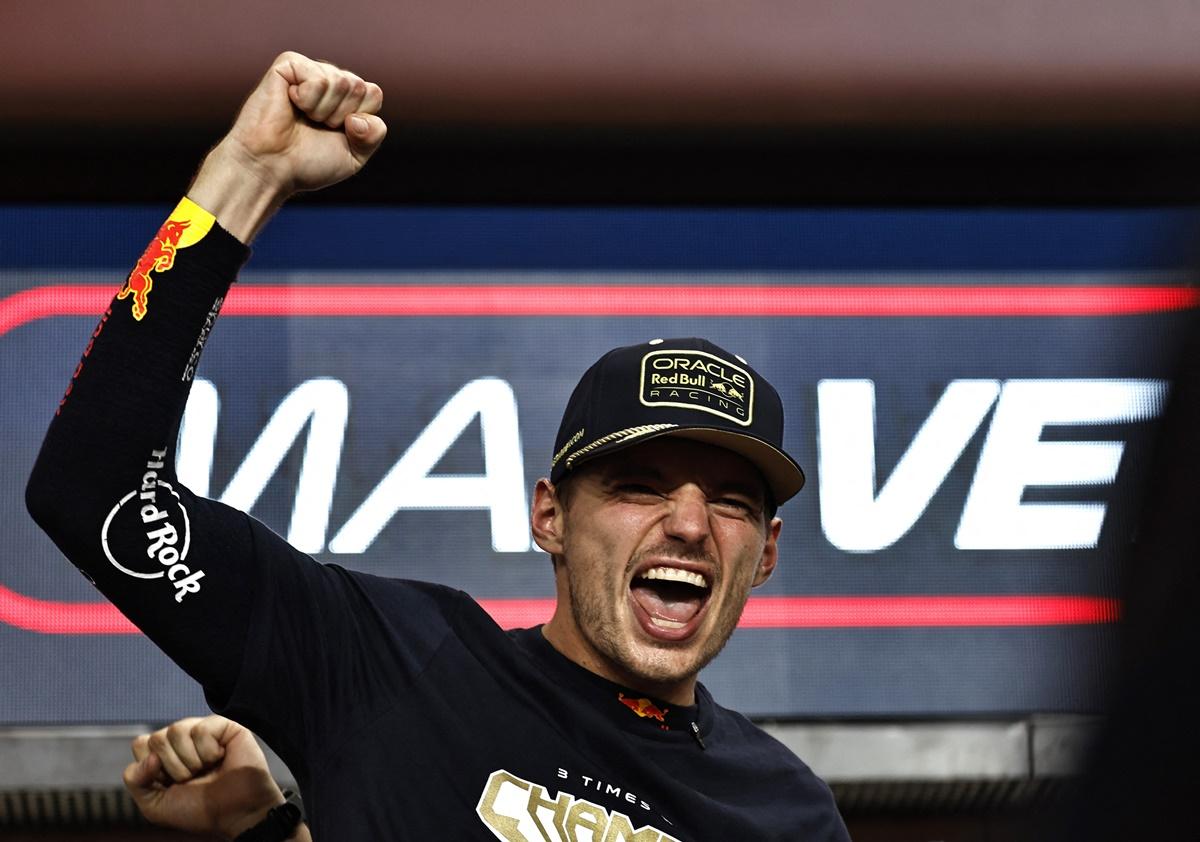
404, 711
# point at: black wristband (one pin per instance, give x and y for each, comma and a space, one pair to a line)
279, 823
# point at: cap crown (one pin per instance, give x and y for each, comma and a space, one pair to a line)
688, 387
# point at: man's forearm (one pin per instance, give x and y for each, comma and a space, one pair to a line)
240, 193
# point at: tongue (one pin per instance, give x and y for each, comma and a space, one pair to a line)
678, 603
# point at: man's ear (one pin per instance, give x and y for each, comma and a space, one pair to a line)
546, 518
770, 556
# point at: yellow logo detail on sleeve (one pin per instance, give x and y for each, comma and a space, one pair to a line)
186, 226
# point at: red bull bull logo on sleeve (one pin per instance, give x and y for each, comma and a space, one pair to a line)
185, 226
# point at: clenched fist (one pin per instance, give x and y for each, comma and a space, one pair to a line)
202, 775
308, 124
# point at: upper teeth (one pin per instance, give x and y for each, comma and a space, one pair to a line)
674, 574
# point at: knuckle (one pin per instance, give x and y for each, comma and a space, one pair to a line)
287, 62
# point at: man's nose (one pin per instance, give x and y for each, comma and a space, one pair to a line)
687, 519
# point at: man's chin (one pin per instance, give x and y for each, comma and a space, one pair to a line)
671, 660
664, 663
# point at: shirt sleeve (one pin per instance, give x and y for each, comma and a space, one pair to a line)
292, 648
104, 487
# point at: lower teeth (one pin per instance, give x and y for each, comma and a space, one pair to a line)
667, 624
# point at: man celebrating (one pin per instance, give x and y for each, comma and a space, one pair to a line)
401, 707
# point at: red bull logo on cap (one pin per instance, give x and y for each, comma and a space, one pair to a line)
186, 226
690, 379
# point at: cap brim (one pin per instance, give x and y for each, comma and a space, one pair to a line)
781, 472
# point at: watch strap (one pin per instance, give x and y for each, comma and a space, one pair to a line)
279, 823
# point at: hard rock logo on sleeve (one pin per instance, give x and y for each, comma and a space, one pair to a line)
147, 533
698, 380
186, 226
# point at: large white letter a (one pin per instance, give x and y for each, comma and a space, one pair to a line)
409, 485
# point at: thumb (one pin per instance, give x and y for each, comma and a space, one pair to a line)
141, 774
364, 132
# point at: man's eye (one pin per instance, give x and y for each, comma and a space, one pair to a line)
735, 504
631, 489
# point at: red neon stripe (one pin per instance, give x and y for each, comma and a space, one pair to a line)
557, 300
781, 612
518, 613
927, 611
47, 617
607, 300
814, 612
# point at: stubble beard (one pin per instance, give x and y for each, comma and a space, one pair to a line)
653, 662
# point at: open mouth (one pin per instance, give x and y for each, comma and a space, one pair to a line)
669, 602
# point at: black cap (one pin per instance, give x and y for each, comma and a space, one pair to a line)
688, 388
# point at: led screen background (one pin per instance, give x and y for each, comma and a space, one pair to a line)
366, 340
